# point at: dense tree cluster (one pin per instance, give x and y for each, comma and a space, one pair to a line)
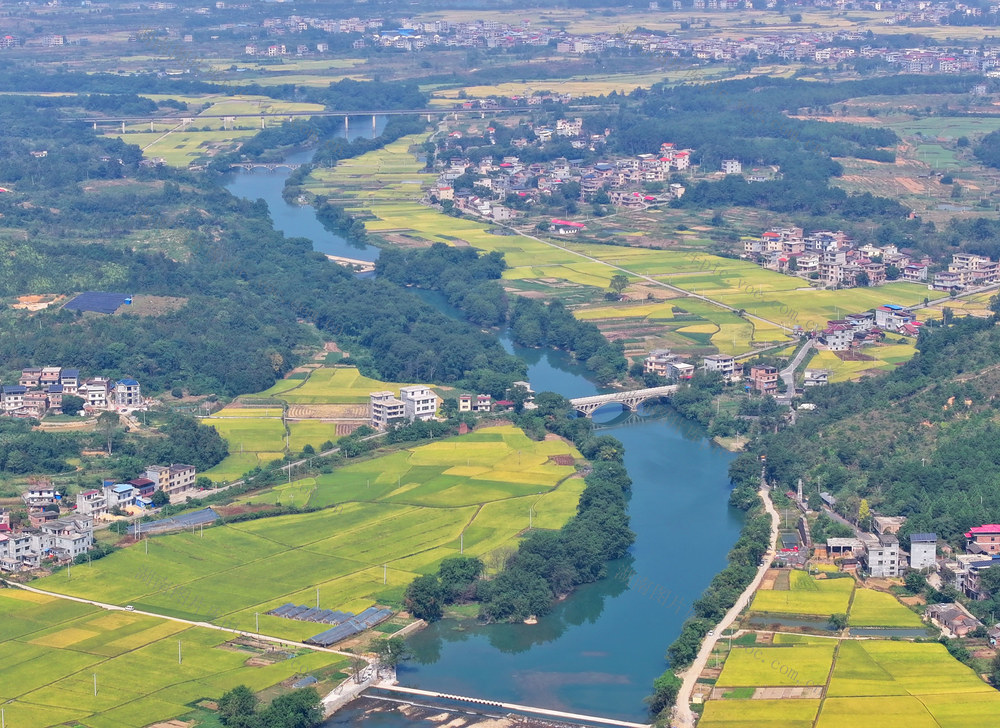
240, 708
533, 323
547, 564
463, 275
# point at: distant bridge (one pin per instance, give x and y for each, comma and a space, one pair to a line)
629, 400
290, 115
267, 166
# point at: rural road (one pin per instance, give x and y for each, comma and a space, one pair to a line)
788, 373
205, 625
682, 715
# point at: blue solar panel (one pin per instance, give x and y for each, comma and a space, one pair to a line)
98, 302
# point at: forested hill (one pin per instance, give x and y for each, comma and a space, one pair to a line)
87, 216
922, 442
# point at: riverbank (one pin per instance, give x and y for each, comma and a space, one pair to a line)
682, 715
589, 655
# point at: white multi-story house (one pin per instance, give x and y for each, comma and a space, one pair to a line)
92, 503
127, 394
721, 363
419, 402
386, 408
94, 393
732, 166
62, 539
882, 557
923, 550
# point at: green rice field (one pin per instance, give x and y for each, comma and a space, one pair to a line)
382, 522
807, 596
53, 648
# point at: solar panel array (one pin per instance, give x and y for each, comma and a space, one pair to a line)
310, 614
98, 302
366, 620
176, 523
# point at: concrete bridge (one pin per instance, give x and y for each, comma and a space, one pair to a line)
629, 400
269, 167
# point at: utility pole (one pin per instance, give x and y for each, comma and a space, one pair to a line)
256, 616
95, 684
178, 652
385, 573
317, 597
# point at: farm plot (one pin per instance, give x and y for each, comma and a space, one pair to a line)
759, 714
382, 522
246, 434
778, 666
807, 596
335, 385
871, 608
47, 670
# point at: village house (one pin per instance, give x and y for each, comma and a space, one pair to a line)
722, 364
816, 377
732, 166
923, 550
891, 317
386, 409
764, 379
658, 361
419, 402
952, 618
172, 479
882, 558
838, 336
983, 539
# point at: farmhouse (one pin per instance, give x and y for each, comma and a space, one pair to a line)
891, 317
172, 479
881, 557
816, 377
658, 362
419, 402
721, 363
60, 540
953, 618
983, 539
764, 379
923, 550
40, 390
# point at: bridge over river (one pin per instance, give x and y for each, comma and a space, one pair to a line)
630, 400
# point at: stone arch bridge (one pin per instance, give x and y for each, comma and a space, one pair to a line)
629, 400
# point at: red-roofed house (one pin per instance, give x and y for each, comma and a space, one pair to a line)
565, 227
984, 539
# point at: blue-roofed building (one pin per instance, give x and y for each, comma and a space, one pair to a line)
12, 397
127, 393
121, 495
70, 380
923, 550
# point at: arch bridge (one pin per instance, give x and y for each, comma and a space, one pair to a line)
630, 400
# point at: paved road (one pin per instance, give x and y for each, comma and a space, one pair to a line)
205, 625
682, 715
788, 373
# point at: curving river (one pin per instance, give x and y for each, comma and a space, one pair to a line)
599, 650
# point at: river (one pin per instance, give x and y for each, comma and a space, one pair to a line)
599, 650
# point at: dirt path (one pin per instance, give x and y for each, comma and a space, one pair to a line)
682, 715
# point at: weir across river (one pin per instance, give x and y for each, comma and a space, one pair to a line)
575, 717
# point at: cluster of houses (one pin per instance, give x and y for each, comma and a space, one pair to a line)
879, 554
833, 259
51, 537
825, 47
621, 179
419, 402
761, 378
40, 390
857, 329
